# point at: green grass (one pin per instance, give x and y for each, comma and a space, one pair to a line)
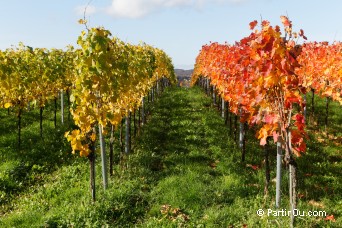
185, 171
20, 169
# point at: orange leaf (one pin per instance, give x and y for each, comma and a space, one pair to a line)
93, 137
262, 136
286, 22
330, 218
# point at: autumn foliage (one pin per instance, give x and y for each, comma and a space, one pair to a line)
321, 69
112, 77
264, 75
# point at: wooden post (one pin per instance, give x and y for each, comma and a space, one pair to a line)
55, 114
267, 167
121, 136
91, 158
143, 115
41, 121
292, 180
128, 133
312, 102
134, 124
68, 99
19, 128
103, 159
62, 106
326, 112
222, 107
278, 177
111, 150
227, 113
305, 108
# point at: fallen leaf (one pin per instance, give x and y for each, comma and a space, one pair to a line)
330, 218
301, 195
316, 204
254, 167
214, 164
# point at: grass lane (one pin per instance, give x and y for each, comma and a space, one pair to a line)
185, 171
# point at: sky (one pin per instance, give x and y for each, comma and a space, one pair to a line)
179, 27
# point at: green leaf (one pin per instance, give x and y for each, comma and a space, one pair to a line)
72, 98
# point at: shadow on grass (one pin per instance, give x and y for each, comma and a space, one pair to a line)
185, 153
186, 143
37, 155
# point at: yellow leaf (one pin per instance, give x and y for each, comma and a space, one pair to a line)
66, 134
93, 137
82, 22
7, 105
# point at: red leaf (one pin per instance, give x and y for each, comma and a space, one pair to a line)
254, 167
301, 33
300, 195
253, 24
300, 122
265, 23
297, 140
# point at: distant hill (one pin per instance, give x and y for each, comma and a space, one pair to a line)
183, 76
180, 73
